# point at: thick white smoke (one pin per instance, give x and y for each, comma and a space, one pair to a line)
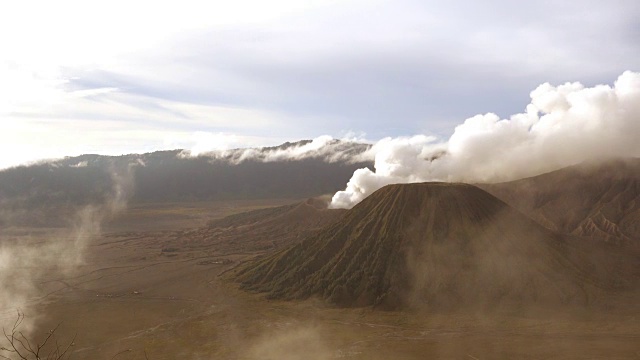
562, 126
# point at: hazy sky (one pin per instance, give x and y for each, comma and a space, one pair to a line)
115, 77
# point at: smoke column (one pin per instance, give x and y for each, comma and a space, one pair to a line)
563, 125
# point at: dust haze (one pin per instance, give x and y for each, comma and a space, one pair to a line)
25, 258
303, 342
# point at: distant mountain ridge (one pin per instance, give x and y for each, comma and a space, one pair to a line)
45, 194
291, 170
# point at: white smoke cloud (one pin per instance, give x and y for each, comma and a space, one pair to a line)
325, 147
563, 125
81, 164
206, 143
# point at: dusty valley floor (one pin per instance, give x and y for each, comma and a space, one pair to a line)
149, 290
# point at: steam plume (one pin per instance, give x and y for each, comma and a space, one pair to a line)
563, 125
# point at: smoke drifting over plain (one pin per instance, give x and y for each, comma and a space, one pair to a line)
24, 259
563, 125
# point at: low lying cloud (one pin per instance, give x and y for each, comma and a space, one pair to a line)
324, 147
80, 164
563, 125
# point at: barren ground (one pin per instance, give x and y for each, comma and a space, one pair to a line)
146, 292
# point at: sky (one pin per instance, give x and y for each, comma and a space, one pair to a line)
130, 76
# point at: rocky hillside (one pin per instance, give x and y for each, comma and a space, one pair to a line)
599, 200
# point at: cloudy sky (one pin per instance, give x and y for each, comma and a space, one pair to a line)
115, 77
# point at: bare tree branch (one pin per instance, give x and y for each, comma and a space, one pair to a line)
16, 340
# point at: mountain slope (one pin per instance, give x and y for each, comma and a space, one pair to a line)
600, 200
266, 229
435, 243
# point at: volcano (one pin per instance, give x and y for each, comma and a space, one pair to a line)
439, 244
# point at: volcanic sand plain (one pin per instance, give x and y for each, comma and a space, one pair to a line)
150, 287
